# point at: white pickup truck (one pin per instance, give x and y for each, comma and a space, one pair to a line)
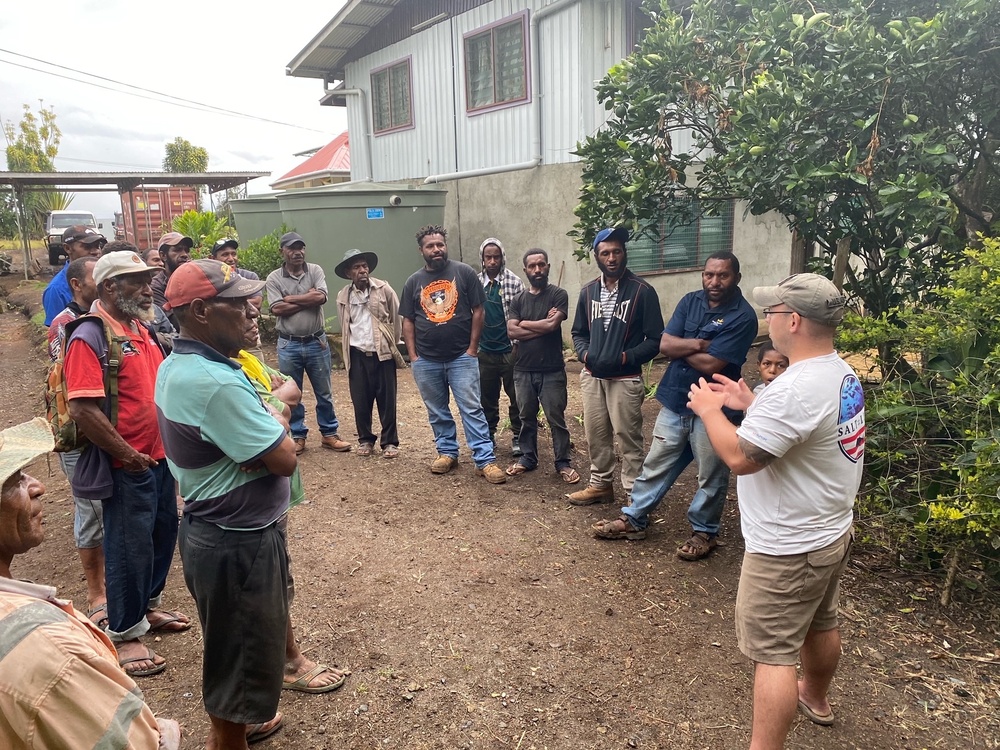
58, 222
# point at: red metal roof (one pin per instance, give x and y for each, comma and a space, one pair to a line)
333, 157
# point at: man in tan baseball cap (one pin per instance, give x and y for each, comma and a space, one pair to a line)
798, 455
175, 250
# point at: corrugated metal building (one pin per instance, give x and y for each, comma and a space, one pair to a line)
490, 99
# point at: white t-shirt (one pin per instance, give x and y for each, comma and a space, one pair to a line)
813, 419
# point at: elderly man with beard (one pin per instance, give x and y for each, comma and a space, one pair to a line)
296, 293
442, 311
123, 466
535, 319
61, 684
615, 332
497, 350
233, 459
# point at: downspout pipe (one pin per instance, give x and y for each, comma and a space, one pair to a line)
536, 109
363, 103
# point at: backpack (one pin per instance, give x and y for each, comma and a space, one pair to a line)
67, 435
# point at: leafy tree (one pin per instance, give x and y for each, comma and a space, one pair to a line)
8, 215
32, 145
932, 455
182, 156
876, 127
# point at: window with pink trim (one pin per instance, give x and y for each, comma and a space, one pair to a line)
496, 64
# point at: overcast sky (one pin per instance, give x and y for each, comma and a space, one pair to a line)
218, 53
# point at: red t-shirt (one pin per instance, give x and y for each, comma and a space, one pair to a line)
141, 358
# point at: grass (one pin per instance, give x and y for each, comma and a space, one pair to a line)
15, 244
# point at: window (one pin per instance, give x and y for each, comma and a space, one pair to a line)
391, 105
496, 70
687, 246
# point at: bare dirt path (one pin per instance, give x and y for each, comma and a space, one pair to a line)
480, 616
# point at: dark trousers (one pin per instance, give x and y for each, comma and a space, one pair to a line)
239, 580
496, 370
549, 390
373, 382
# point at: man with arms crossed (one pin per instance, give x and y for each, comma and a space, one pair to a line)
232, 457
799, 456
710, 331
535, 320
442, 311
296, 292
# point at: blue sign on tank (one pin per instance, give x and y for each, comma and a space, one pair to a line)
375, 213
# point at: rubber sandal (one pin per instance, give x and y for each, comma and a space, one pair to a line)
700, 545
517, 469
390, 451
614, 530
302, 683
102, 621
569, 475
173, 618
824, 720
365, 449
258, 732
150, 656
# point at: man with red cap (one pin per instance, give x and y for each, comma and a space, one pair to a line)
233, 458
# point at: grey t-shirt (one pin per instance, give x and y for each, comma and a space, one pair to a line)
281, 283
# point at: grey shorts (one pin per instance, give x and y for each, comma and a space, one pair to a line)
88, 522
781, 598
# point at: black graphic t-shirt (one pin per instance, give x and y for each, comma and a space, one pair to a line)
440, 305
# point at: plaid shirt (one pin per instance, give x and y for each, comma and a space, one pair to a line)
510, 286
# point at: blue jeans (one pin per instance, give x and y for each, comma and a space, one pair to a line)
140, 531
433, 380
312, 358
675, 440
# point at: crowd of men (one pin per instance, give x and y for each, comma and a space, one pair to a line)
190, 417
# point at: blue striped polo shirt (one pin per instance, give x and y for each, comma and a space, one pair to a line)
213, 422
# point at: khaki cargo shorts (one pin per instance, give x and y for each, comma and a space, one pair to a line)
782, 598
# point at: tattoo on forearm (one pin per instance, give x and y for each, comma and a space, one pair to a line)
755, 454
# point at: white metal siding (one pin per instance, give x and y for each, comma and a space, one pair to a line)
429, 146
578, 44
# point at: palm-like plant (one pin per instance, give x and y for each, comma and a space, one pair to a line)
204, 227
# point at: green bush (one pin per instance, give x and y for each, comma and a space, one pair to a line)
933, 436
204, 227
263, 255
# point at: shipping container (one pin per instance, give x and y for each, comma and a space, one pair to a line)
149, 212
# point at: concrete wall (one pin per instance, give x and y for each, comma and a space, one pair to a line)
534, 208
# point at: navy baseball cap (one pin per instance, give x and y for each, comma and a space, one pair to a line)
290, 238
618, 233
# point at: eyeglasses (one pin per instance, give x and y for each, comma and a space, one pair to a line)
768, 312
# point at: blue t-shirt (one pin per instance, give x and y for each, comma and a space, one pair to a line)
731, 327
56, 296
213, 422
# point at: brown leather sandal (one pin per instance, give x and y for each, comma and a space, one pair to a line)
698, 547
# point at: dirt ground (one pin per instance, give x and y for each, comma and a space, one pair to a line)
481, 616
